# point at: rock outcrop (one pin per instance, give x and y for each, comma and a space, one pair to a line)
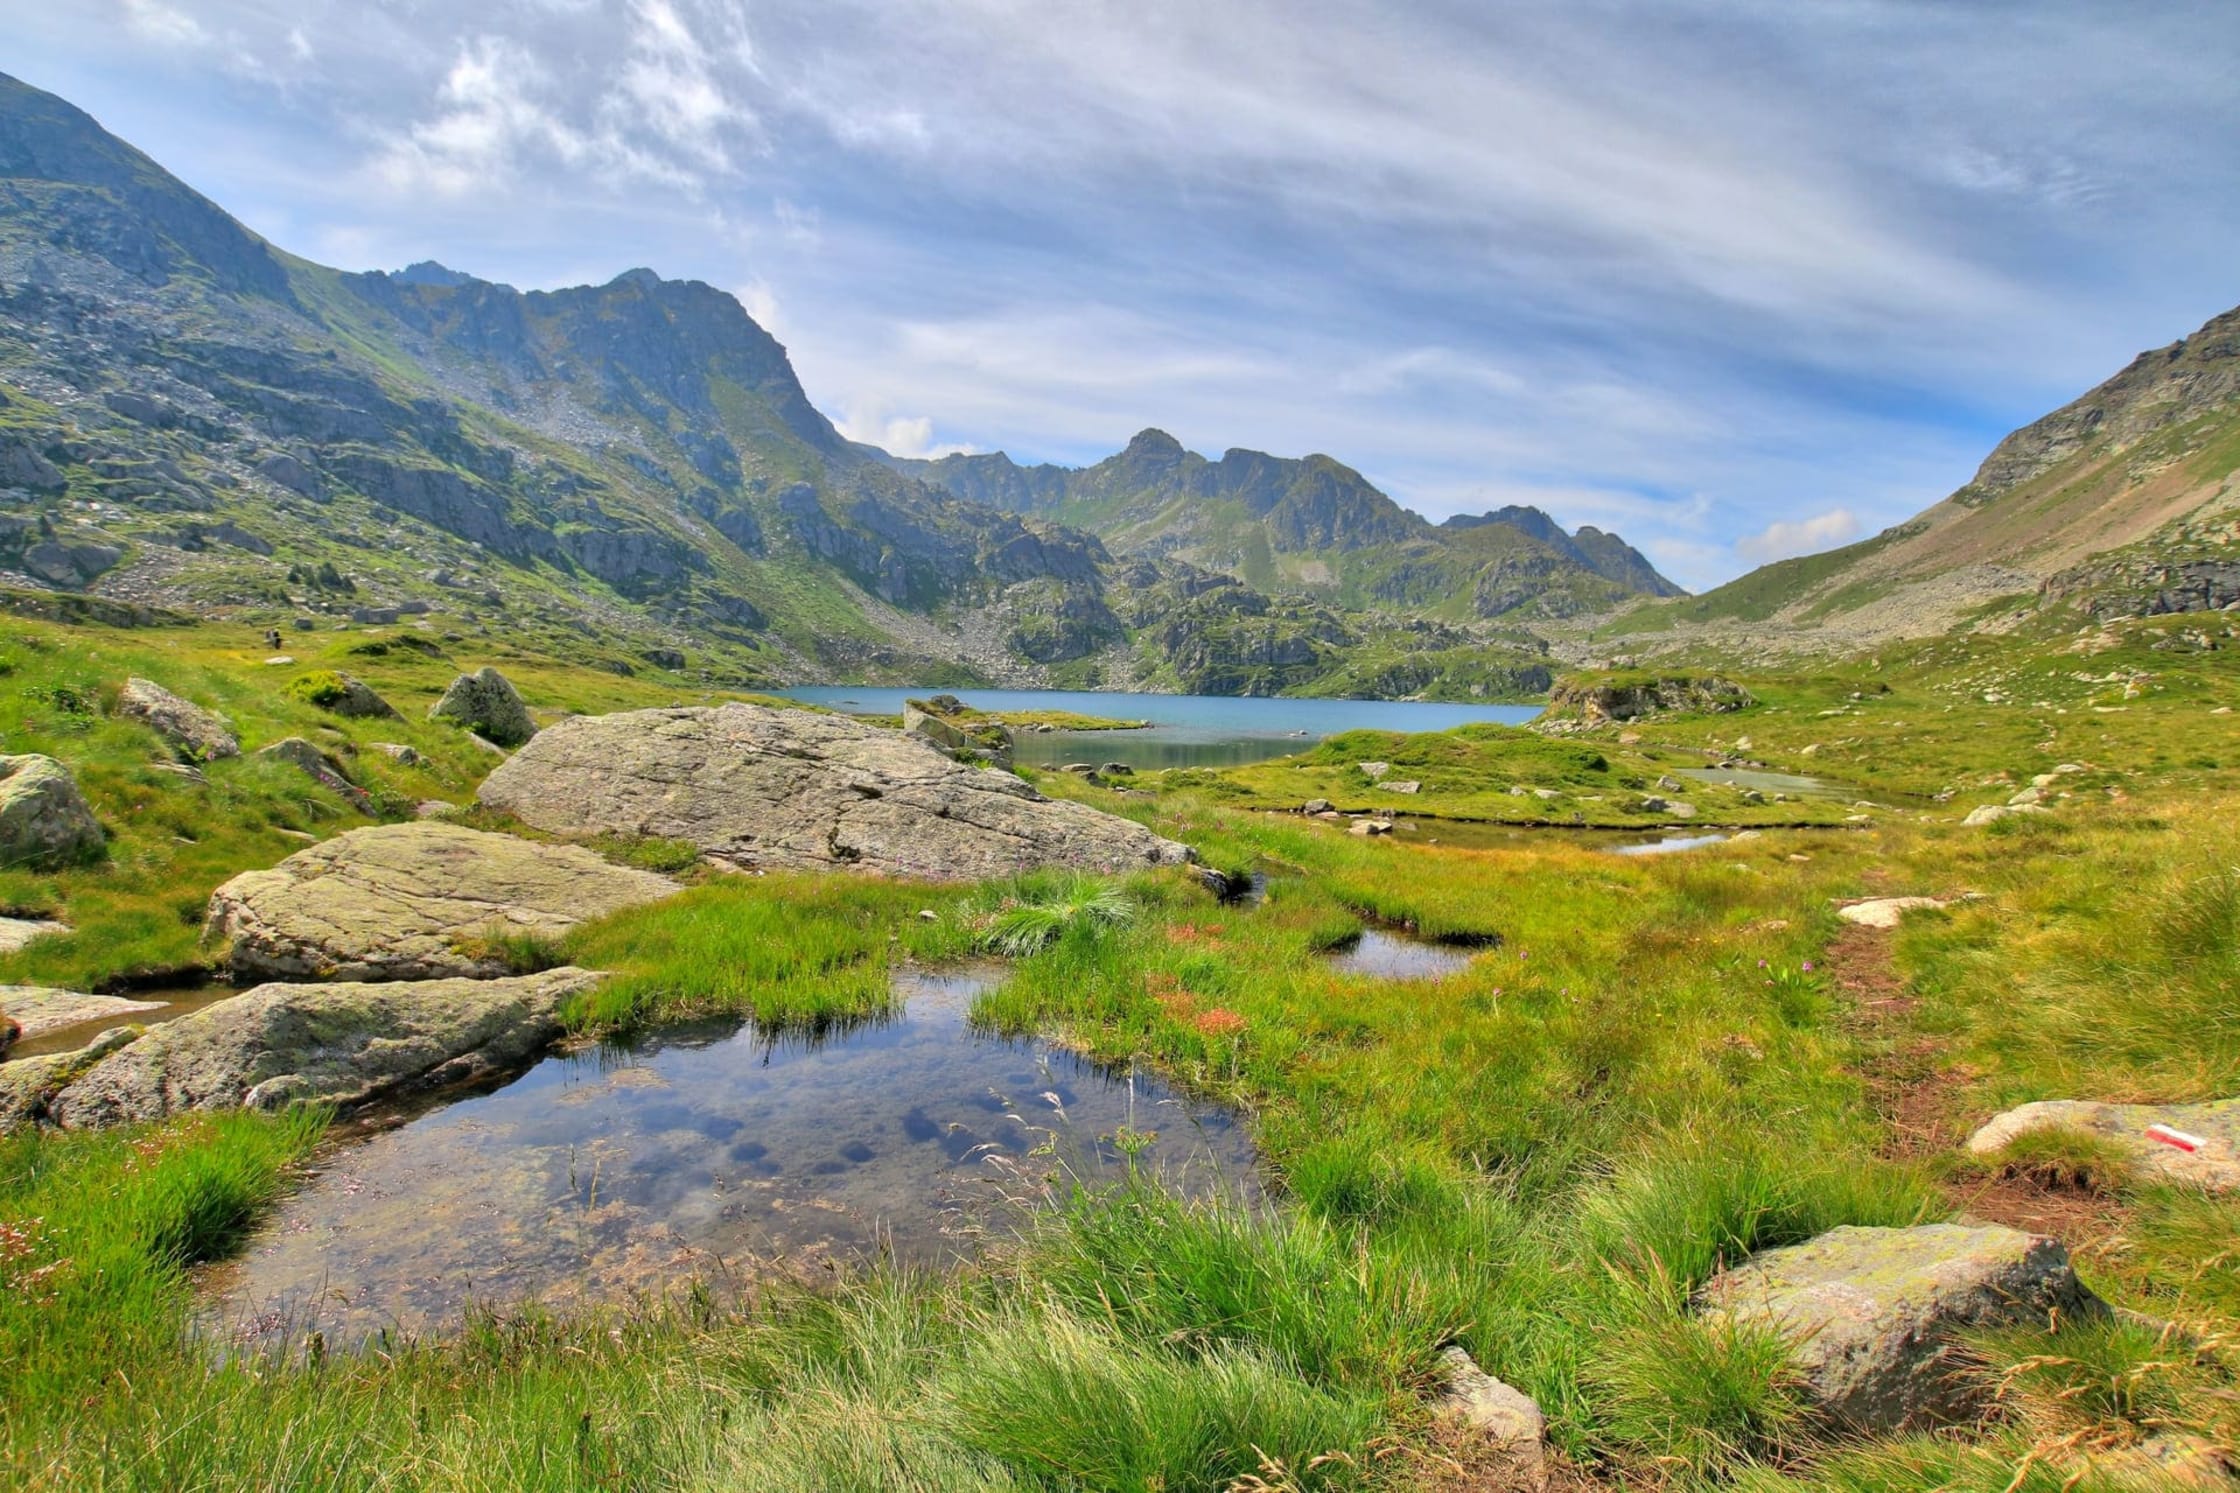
1871, 1315
486, 703
44, 820
756, 787
2193, 1144
198, 734
1596, 701
278, 1045
397, 901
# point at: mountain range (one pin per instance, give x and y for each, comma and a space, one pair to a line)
632, 472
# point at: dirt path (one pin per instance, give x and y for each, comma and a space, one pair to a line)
1924, 1098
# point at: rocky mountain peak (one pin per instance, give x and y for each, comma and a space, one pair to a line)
428, 272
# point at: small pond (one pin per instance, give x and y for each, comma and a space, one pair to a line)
714, 1151
1184, 730
1394, 956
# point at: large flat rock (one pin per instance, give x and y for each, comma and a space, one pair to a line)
2214, 1163
346, 1043
395, 902
1871, 1314
755, 787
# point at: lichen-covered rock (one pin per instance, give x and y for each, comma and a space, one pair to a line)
486, 703
319, 767
37, 1010
279, 1045
396, 901
28, 1085
1593, 701
1871, 1314
44, 820
756, 787
2213, 1163
200, 734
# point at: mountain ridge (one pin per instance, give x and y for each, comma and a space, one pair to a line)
1310, 525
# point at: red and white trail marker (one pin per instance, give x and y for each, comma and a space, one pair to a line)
2172, 1137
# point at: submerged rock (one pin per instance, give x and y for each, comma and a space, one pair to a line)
397, 901
758, 787
2199, 1144
1871, 1315
203, 735
486, 703
279, 1045
44, 820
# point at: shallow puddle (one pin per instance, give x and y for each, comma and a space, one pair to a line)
173, 1004
1392, 956
1764, 782
712, 1151
1668, 844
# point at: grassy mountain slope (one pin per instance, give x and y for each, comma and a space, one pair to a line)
2121, 502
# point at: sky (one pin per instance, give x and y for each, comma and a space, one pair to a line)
1739, 280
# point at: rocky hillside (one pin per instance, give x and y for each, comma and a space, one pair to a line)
1313, 526
192, 417
2126, 501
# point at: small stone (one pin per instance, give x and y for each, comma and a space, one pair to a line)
1504, 1415
399, 753
1374, 770
1316, 806
1395, 785
16, 932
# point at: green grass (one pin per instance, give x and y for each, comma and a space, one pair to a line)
1632, 1082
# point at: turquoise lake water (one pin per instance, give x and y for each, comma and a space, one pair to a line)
1184, 730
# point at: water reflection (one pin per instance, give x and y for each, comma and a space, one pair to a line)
710, 1149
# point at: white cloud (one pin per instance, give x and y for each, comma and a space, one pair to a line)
164, 25
899, 435
1782, 539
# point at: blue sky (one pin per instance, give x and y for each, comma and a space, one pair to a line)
1736, 279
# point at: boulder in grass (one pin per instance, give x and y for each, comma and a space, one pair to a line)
486, 703
1873, 1316
755, 787
2194, 1145
44, 820
320, 768
279, 1045
414, 902
203, 735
